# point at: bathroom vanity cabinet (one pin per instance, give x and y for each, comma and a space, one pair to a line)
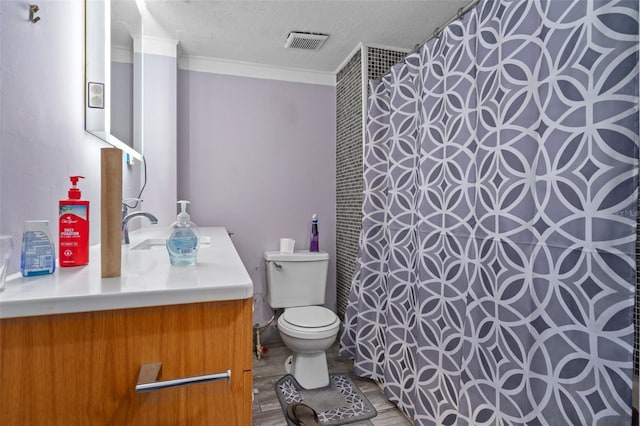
64, 364
82, 368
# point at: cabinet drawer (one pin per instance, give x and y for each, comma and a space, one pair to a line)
83, 368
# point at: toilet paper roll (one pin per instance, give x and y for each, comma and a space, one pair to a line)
287, 245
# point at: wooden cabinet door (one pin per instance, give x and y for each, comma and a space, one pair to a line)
81, 369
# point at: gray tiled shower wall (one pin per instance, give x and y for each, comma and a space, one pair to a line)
349, 145
348, 175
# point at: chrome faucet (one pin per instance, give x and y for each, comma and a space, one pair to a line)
128, 217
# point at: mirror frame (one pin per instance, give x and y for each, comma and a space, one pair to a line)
98, 70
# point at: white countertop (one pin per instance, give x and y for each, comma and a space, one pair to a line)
147, 279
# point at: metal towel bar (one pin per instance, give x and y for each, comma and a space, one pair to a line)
149, 373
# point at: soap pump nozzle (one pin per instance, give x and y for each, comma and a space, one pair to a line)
74, 192
183, 216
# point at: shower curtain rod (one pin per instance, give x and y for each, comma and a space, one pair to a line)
436, 33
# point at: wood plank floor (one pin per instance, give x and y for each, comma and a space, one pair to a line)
267, 371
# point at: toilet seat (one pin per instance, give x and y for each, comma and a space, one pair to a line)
309, 322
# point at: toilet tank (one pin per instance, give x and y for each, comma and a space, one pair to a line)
297, 279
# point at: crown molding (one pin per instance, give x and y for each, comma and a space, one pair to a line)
121, 54
247, 69
156, 46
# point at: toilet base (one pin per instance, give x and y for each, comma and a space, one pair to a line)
309, 370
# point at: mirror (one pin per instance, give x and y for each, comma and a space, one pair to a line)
112, 68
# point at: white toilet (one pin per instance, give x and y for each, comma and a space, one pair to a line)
297, 283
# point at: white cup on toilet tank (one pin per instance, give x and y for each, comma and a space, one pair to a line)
287, 245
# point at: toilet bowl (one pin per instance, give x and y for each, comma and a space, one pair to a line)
308, 331
297, 282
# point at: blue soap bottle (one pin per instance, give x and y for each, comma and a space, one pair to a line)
38, 255
184, 241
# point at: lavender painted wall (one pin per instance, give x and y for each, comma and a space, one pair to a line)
159, 127
258, 157
122, 101
42, 140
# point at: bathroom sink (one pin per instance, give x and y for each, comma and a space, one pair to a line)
150, 243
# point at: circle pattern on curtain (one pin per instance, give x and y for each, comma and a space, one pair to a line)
496, 271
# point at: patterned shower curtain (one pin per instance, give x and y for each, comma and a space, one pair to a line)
496, 271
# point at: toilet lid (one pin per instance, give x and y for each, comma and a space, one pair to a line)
309, 316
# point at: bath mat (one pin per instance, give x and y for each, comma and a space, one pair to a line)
337, 404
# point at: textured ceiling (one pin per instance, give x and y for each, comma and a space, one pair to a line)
255, 31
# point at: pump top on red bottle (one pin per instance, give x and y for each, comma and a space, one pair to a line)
74, 192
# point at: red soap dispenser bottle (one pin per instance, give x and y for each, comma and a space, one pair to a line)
74, 228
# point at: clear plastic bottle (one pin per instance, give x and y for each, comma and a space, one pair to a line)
38, 255
184, 241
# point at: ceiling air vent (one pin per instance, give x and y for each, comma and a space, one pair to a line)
307, 41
